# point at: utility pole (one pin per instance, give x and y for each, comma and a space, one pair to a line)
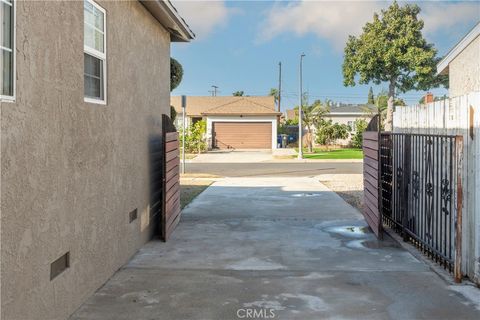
300, 111
184, 111
214, 90
279, 84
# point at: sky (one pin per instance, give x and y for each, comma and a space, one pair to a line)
239, 45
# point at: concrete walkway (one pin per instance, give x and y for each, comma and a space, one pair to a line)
286, 247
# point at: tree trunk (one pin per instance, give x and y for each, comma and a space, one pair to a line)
309, 140
390, 106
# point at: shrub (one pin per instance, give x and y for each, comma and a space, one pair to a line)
176, 73
357, 139
195, 137
329, 132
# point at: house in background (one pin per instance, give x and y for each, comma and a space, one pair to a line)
349, 113
342, 114
84, 86
232, 122
462, 65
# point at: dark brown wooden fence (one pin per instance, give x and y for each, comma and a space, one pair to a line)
371, 209
171, 179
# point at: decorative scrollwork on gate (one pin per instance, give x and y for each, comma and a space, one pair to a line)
415, 184
446, 196
399, 177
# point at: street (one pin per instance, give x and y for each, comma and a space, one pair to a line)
272, 169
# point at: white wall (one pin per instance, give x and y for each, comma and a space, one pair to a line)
272, 119
452, 116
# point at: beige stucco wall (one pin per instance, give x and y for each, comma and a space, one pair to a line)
72, 171
464, 70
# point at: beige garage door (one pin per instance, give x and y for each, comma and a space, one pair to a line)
242, 135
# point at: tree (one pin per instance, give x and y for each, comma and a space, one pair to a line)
360, 127
381, 104
371, 97
173, 113
392, 49
238, 94
329, 132
311, 116
195, 137
274, 92
176, 73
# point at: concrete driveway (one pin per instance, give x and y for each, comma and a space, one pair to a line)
277, 248
233, 156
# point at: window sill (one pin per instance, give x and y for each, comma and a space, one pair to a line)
7, 99
95, 101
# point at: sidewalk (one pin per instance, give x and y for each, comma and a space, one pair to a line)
284, 245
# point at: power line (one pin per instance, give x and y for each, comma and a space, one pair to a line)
214, 90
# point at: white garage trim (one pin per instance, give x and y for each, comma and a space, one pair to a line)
272, 119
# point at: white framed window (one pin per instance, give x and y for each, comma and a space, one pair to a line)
94, 53
352, 126
7, 50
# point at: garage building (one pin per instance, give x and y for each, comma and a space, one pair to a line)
233, 122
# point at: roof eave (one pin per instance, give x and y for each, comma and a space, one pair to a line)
242, 114
168, 16
347, 114
442, 66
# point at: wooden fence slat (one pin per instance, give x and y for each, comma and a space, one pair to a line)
373, 154
171, 146
171, 136
172, 226
171, 155
171, 209
170, 183
371, 163
371, 212
172, 164
172, 192
371, 171
370, 135
371, 144
368, 177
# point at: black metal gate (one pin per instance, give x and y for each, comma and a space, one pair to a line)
421, 192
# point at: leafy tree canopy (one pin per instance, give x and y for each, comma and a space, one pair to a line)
173, 113
312, 115
238, 94
357, 138
195, 137
176, 73
392, 49
274, 92
328, 132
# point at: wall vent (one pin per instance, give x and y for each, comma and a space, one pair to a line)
133, 215
59, 265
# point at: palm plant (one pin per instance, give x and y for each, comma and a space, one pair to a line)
312, 115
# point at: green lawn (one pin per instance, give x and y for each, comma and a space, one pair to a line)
347, 153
